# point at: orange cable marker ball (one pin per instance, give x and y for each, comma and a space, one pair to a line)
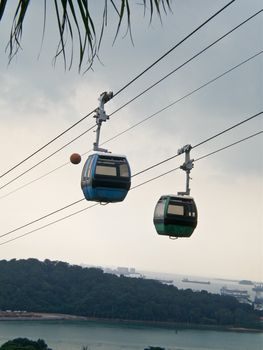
75, 158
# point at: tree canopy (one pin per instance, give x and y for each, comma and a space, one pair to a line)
76, 24
24, 344
57, 287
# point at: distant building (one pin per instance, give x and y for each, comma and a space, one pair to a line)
123, 270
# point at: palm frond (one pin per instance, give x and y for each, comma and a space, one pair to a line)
90, 32
17, 28
44, 27
75, 24
2, 8
61, 28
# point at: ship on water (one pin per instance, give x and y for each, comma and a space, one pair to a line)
195, 281
241, 295
258, 287
246, 282
164, 281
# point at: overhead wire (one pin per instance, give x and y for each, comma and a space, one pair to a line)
46, 158
139, 185
137, 96
175, 46
33, 181
142, 121
200, 143
120, 90
47, 144
42, 217
140, 172
180, 99
188, 61
202, 157
49, 224
232, 144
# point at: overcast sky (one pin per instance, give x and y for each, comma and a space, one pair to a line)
38, 101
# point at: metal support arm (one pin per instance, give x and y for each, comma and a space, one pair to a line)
187, 167
101, 116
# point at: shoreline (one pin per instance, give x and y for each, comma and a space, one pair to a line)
38, 316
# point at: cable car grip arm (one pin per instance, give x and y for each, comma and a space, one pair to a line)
187, 167
101, 116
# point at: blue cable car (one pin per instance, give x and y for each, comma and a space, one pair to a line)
106, 178
175, 216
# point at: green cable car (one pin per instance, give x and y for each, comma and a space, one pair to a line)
175, 216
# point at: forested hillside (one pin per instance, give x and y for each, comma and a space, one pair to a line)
57, 287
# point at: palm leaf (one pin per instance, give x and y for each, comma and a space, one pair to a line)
90, 32
44, 25
73, 16
121, 13
2, 8
61, 28
104, 21
17, 27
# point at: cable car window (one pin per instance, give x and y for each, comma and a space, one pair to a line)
86, 169
176, 209
124, 170
106, 170
159, 209
89, 167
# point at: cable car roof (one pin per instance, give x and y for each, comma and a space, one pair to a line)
108, 154
177, 196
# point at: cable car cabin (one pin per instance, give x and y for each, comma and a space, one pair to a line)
175, 216
106, 178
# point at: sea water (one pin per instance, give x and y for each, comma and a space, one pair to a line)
73, 335
215, 284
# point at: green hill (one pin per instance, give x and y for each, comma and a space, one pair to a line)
57, 287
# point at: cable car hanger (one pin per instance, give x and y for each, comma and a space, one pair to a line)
101, 116
106, 177
176, 215
187, 167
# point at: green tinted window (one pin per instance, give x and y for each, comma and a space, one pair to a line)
175, 209
159, 209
